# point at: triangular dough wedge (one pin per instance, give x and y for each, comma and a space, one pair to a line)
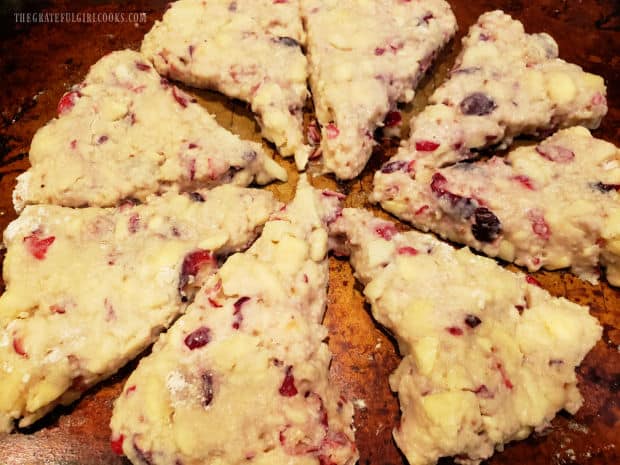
89, 289
504, 83
553, 205
365, 56
488, 355
245, 49
126, 133
243, 376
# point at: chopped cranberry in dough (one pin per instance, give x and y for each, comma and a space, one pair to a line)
246, 49
554, 205
89, 289
488, 356
504, 83
365, 57
258, 392
126, 133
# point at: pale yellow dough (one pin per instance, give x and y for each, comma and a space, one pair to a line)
243, 376
126, 133
504, 83
246, 49
556, 203
365, 56
488, 356
89, 289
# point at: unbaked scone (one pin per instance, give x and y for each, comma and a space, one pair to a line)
365, 56
504, 83
553, 205
126, 133
89, 289
246, 49
243, 376
488, 355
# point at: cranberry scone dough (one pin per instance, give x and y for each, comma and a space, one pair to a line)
245, 49
504, 83
365, 56
488, 355
110, 142
67, 321
242, 377
554, 205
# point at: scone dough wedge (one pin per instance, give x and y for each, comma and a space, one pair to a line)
89, 289
504, 83
488, 355
365, 56
245, 49
126, 133
552, 205
243, 376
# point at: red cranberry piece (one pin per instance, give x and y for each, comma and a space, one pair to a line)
18, 347
477, 104
74, 144
288, 389
276, 2
407, 251
532, 280
379, 51
181, 97
438, 183
483, 391
386, 231
142, 66
237, 312
198, 338
427, 17
102, 139
131, 389
487, 226
599, 99
504, 375
392, 166
472, 321
116, 444
556, 153
524, 181
455, 330
421, 210
332, 131
67, 102
393, 118
193, 263
134, 223
539, 225
37, 246
313, 133
338, 195
207, 389
426, 146
214, 303
58, 309
192, 169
